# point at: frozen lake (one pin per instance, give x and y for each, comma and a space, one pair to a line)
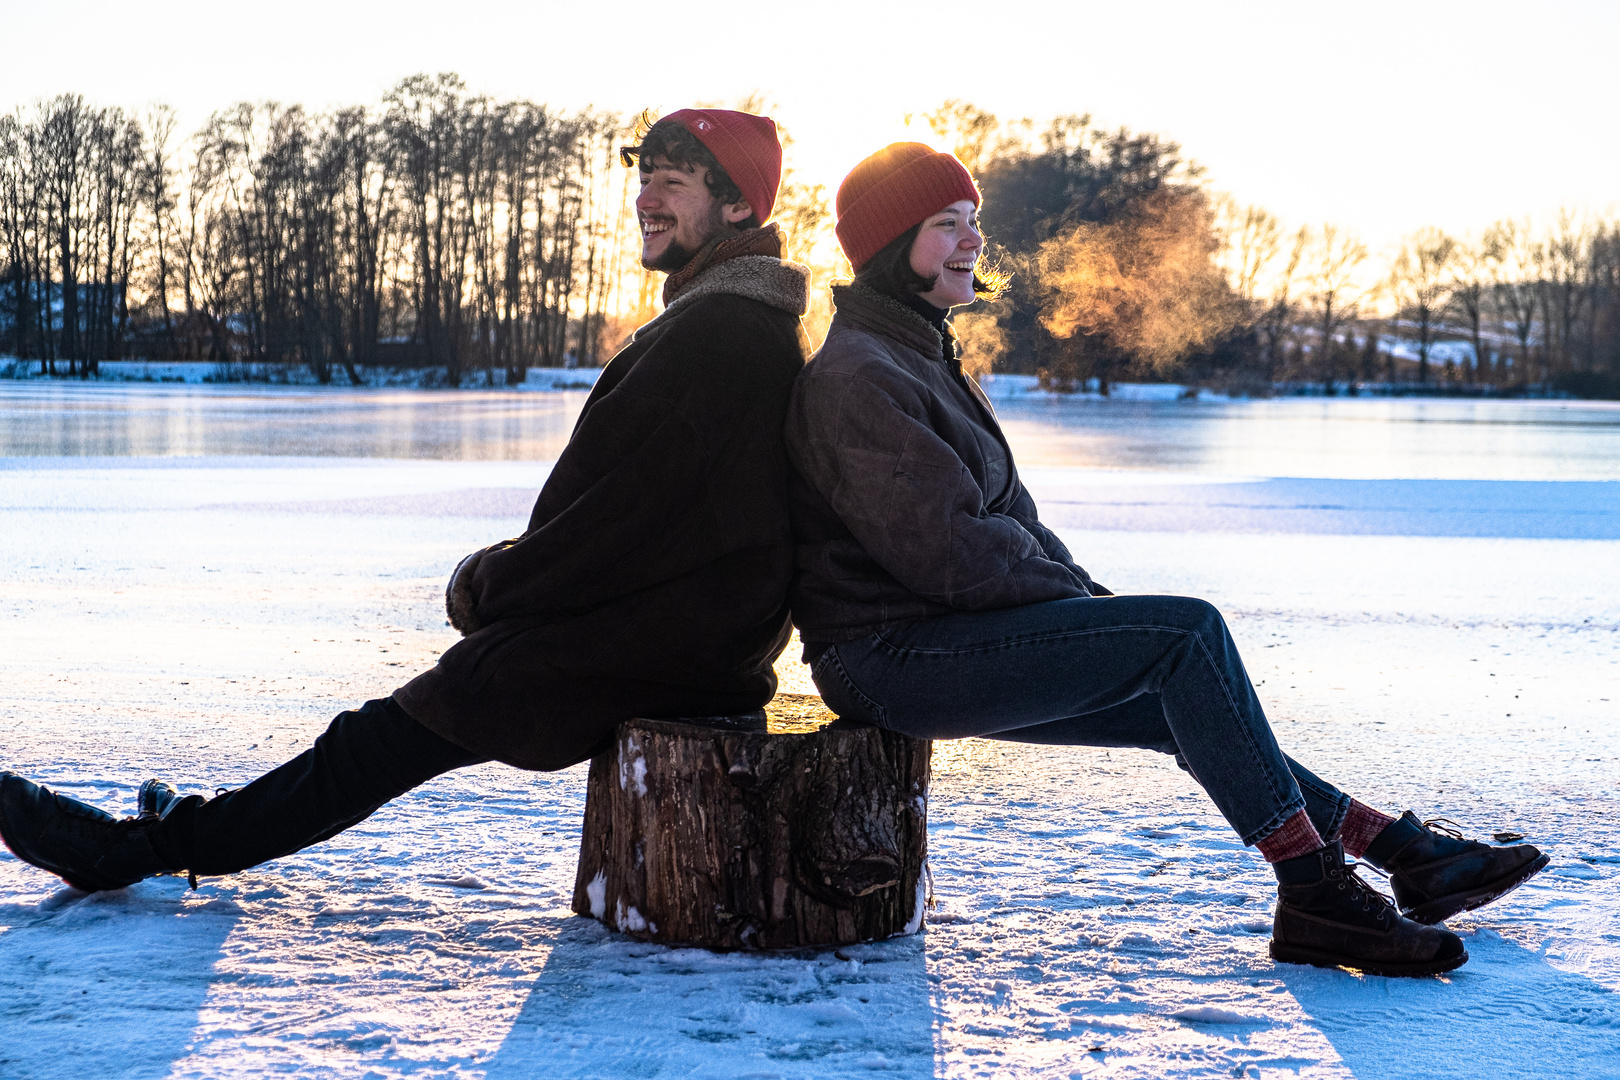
1350, 438
193, 581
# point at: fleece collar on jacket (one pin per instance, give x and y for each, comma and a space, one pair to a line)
726, 245
885, 315
736, 266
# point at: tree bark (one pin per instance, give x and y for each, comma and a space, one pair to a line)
748, 833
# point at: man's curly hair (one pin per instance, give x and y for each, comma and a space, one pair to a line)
666, 142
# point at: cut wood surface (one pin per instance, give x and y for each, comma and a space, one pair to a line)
759, 832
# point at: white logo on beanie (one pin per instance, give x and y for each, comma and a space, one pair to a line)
703, 125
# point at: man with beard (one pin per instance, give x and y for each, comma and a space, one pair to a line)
651, 580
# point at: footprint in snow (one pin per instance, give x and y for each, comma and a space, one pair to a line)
1209, 1014
466, 881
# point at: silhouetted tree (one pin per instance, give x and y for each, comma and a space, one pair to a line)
1421, 282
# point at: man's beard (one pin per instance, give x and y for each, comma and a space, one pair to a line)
677, 255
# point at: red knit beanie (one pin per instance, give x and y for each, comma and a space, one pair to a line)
746, 147
893, 190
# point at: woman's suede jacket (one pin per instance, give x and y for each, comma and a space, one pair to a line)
904, 499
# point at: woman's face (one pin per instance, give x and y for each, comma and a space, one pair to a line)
947, 249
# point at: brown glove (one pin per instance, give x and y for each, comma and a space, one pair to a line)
458, 595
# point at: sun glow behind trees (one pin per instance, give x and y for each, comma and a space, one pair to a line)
1384, 117
445, 228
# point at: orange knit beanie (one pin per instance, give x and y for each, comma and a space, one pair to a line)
746, 146
893, 190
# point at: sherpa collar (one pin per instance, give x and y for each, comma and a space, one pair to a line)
762, 241
737, 266
887, 316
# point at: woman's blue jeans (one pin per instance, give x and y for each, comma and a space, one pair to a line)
1157, 672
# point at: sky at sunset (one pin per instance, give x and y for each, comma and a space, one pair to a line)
1380, 116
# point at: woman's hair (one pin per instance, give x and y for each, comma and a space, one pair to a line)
669, 142
889, 272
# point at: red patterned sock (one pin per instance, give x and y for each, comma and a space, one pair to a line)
1361, 827
1295, 837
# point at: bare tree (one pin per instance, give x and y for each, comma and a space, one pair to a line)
24, 236
1280, 306
976, 136
1251, 240
1331, 264
1603, 278
1421, 282
65, 128
1514, 258
442, 229
158, 189
1472, 271
1564, 295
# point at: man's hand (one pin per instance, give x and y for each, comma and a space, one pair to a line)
458, 596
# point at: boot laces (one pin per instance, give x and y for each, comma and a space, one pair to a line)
1445, 825
1371, 899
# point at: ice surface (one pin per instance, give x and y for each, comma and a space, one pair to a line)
1346, 438
202, 619
88, 419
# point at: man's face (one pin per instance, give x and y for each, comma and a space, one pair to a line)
678, 215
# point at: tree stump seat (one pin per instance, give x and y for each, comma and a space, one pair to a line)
772, 830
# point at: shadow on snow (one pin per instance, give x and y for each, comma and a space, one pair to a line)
1507, 1013
151, 953
606, 1006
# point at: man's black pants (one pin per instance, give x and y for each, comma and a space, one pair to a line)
366, 757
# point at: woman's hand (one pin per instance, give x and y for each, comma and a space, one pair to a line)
458, 595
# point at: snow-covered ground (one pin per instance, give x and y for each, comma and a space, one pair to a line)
1449, 647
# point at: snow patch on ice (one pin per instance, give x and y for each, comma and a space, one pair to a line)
1209, 1014
465, 881
596, 893
1580, 870
948, 918
919, 904
831, 1014
629, 920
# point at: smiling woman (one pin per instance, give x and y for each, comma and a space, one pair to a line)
933, 602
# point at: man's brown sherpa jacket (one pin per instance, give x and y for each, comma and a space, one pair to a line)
905, 500
652, 579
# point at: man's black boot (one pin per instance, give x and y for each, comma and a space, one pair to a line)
88, 849
1329, 917
155, 799
1437, 873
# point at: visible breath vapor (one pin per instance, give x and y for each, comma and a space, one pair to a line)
980, 340
1149, 284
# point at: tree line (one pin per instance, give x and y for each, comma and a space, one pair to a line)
1127, 266
446, 230
440, 229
